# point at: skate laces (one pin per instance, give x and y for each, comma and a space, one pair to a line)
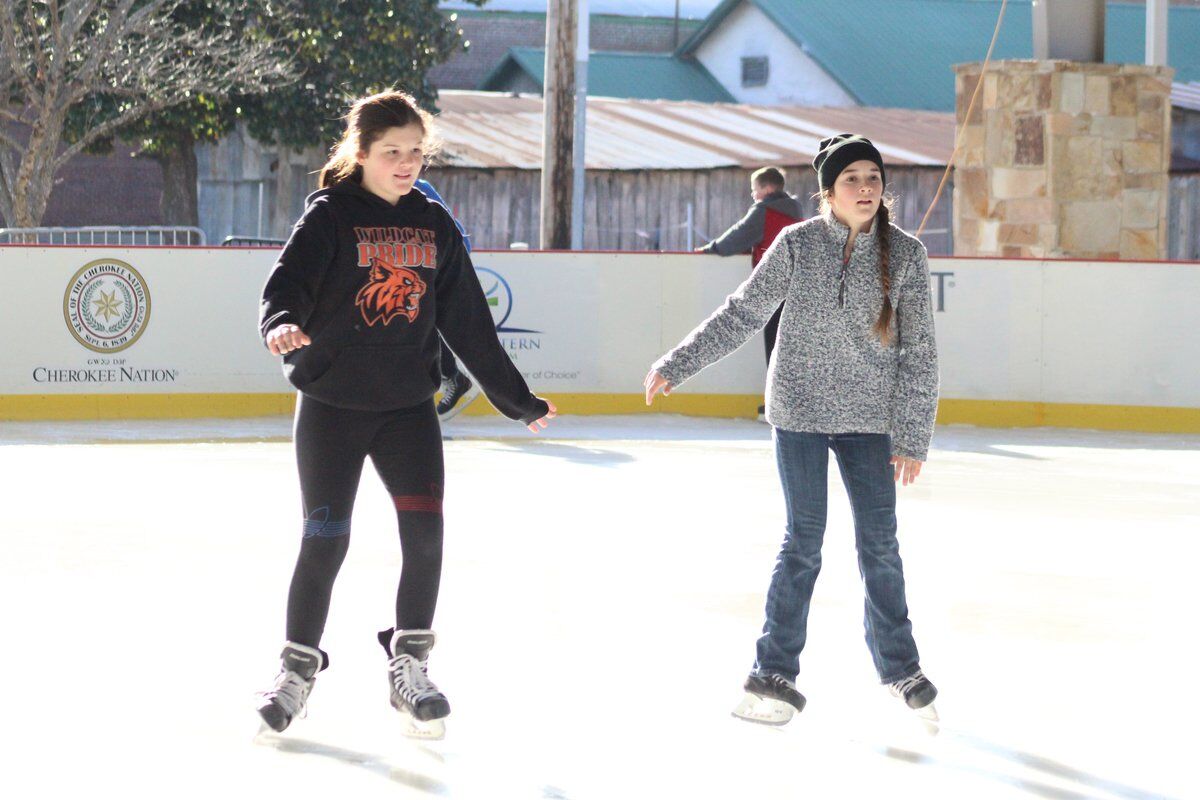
452, 388
290, 693
411, 679
901, 688
781, 685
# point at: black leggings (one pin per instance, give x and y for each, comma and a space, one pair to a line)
331, 445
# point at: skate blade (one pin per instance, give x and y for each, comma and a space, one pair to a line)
431, 730
764, 711
928, 714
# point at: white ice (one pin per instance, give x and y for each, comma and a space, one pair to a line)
602, 593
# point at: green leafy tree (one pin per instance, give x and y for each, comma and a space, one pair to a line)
349, 48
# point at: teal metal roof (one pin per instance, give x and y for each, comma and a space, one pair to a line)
893, 53
900, 53
640, 76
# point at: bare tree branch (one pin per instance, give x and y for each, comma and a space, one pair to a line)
101, 130
116, 29
133, 54
11, 62
9, 140
76, 14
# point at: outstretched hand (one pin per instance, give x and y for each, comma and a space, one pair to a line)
654, 384
286, 338
538, 424
906, 469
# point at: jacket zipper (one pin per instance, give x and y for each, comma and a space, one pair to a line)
842, 281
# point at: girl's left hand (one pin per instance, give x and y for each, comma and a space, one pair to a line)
906, 468
551, 414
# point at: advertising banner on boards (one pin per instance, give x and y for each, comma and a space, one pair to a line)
140, 322
147, 320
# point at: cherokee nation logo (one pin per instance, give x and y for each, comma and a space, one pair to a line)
107, 305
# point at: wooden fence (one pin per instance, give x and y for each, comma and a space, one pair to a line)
1183, 218
248, 189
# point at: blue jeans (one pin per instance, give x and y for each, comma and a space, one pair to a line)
863, 458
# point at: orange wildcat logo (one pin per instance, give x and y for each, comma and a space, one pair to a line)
390, 292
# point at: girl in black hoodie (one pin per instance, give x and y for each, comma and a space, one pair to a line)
371, 274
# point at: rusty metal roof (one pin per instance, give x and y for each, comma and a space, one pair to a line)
498, 131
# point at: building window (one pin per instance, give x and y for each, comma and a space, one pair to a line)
755, 71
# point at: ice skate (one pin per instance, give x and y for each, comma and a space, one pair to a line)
918, 693
288, 698
769, 700
412, 693
454, 390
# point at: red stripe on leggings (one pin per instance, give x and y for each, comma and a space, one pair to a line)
413, 502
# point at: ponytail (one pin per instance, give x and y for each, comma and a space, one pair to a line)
883, 325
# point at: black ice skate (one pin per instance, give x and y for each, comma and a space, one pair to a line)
918, 693
769, 700
412, 693
288, 698
453, 390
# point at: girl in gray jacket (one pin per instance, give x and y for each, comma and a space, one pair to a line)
854, 371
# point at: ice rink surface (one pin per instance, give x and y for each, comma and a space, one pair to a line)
602, 592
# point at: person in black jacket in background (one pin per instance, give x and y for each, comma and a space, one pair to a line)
455, 383
372, 273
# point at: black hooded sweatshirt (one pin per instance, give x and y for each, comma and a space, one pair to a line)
372, 285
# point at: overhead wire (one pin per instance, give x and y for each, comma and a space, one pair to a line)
987, 59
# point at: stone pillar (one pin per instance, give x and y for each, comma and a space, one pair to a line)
1063, 160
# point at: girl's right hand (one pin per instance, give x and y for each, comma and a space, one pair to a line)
286, 338
654, 384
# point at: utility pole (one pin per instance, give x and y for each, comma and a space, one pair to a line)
1072, 30
1156, 32
558, 109
578, 162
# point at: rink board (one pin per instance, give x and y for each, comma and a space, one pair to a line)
579, 326
108, 332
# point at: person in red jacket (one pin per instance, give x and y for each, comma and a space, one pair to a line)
773, 210
373, 272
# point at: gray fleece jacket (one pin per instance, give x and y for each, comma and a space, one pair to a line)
830, 373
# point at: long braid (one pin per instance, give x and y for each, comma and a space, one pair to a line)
883, 325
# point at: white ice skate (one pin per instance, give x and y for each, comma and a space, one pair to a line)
918, 693
423, 707
288, 698
769, 700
